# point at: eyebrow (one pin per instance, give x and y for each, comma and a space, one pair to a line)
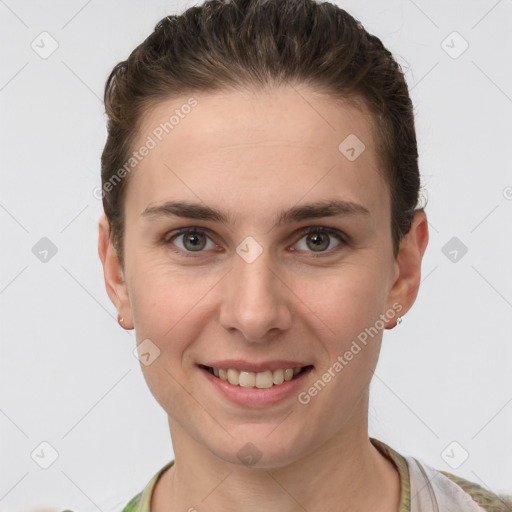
189, 210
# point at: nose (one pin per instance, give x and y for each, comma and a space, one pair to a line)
256, 301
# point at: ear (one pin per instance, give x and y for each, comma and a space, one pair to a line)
407, 272
113, 273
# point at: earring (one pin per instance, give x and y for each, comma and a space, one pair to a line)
120, 320
399, 320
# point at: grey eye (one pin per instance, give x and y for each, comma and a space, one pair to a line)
192, 240
319, 240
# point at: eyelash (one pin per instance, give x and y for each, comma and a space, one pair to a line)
340, 236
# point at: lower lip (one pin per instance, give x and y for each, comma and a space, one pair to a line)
256, 397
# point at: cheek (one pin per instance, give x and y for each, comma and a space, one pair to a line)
346, 299
170, 299
348, 306
167, 307
165, 297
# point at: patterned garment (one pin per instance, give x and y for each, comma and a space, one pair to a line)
423, 489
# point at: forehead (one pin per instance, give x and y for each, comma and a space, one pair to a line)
286, 142
292, 112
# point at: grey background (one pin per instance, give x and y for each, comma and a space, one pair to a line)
68, 375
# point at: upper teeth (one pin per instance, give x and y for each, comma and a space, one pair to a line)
261, 380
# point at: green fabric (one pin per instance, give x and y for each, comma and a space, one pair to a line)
403, 471
486, 499
140, 503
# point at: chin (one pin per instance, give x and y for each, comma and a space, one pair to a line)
260, 451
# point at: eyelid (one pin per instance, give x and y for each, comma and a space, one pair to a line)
339, 235
342, 237
300, 233
171, 235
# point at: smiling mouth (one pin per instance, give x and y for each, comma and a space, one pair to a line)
260, 380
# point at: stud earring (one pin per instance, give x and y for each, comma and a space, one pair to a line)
399, 320
120, 320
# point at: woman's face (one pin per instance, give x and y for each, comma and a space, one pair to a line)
253, 291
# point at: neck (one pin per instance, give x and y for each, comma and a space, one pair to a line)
347, 472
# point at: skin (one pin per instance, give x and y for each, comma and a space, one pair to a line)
254, 154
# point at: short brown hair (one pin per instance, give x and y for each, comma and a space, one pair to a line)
234, 44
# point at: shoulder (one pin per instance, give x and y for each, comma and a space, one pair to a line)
135, 504
426, 486
141, 502
488, 500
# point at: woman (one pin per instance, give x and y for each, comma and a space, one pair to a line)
261, 230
